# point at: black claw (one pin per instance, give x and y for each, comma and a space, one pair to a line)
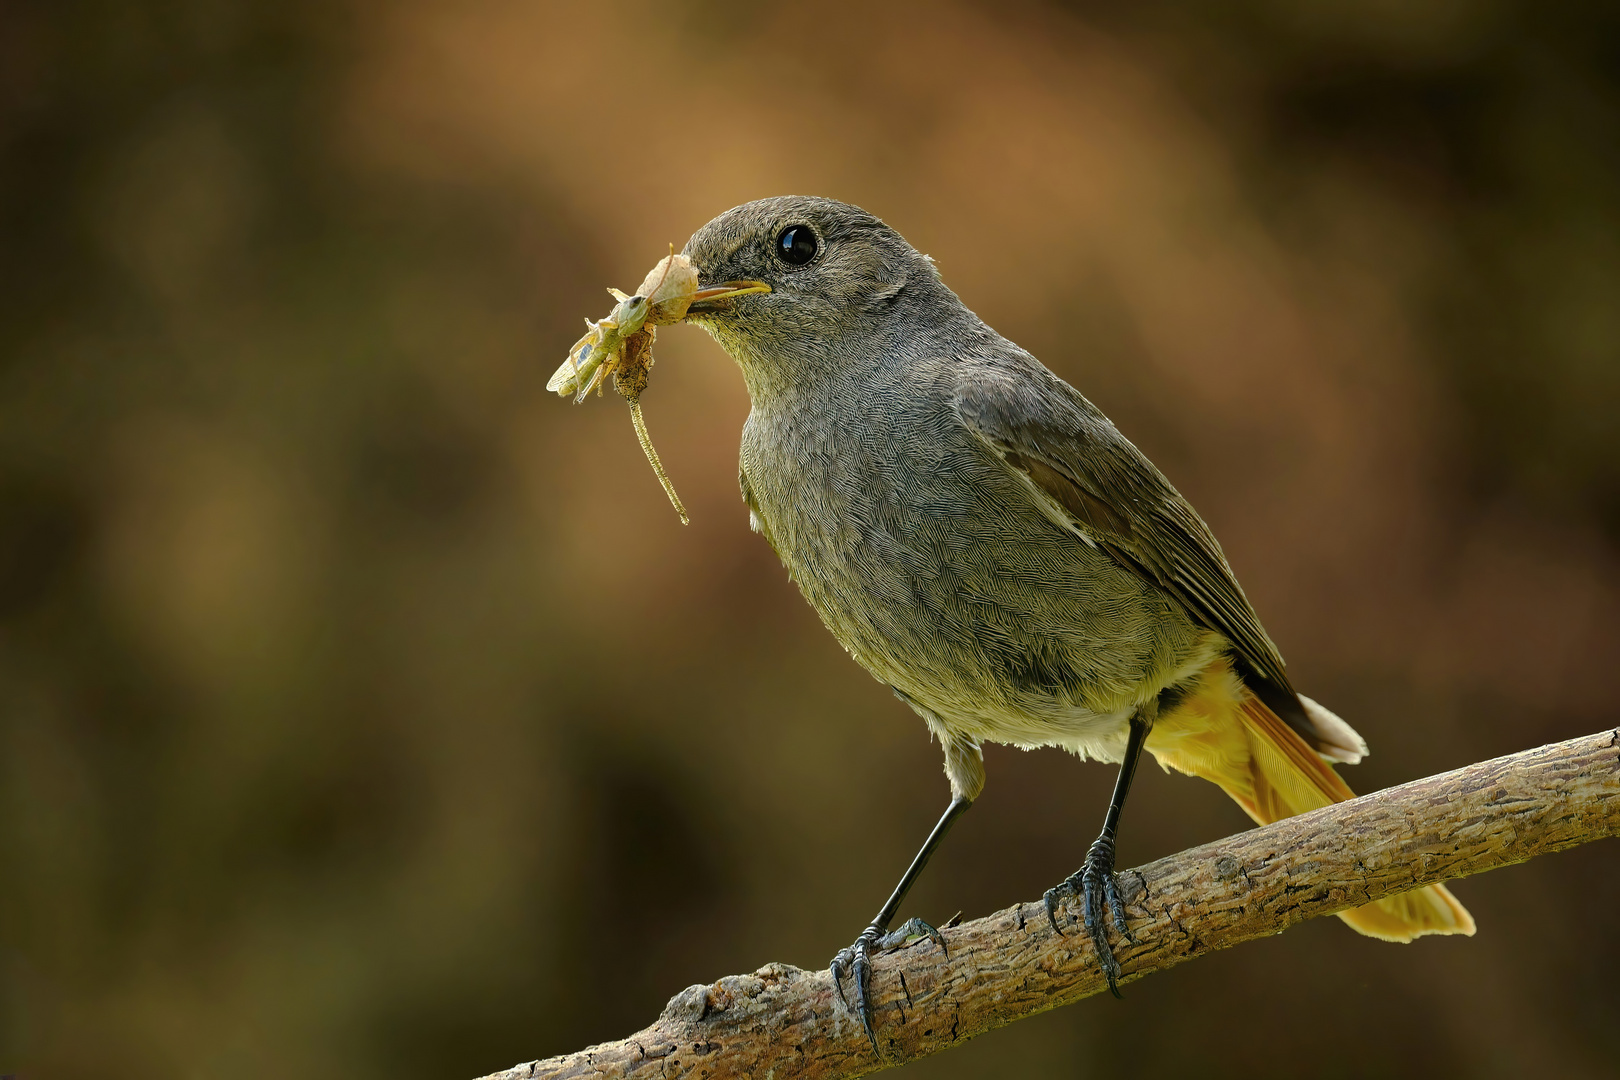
1097, 877
910, 930
863, 979
1064, 889
838, 968
856, 961
1098, 892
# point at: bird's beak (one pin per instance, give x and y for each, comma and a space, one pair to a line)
713, 297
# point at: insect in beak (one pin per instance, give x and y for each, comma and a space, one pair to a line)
621, 344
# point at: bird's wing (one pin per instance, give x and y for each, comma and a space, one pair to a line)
1089, 478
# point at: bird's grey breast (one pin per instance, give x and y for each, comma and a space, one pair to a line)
930, 563
844, 480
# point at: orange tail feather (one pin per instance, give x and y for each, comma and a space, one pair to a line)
1224, 734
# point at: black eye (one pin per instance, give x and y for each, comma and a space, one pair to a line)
796, 245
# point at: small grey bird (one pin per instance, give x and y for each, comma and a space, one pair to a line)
984, 541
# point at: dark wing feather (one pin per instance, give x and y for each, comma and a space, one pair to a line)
1044, 428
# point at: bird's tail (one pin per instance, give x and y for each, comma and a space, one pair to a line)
1221, 732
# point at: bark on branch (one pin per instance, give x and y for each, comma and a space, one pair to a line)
786, 1022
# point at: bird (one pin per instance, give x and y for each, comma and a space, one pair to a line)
984, 541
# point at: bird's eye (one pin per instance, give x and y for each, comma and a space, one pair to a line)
796, 245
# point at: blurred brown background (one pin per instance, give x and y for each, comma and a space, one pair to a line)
364, 710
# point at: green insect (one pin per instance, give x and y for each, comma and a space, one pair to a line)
621, 344
601, 349
663, 298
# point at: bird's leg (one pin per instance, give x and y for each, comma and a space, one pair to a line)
1094, 881
857, 959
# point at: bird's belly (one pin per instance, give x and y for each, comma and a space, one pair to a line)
981, 611
1060, 662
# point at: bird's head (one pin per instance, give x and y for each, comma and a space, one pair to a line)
788, 285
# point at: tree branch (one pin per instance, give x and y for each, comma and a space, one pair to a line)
786, 1022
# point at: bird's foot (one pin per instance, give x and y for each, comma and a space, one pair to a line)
856, 961
1094, 884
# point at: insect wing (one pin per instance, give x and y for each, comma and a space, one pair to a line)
583, 360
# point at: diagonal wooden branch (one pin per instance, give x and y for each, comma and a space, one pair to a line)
786, 1022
